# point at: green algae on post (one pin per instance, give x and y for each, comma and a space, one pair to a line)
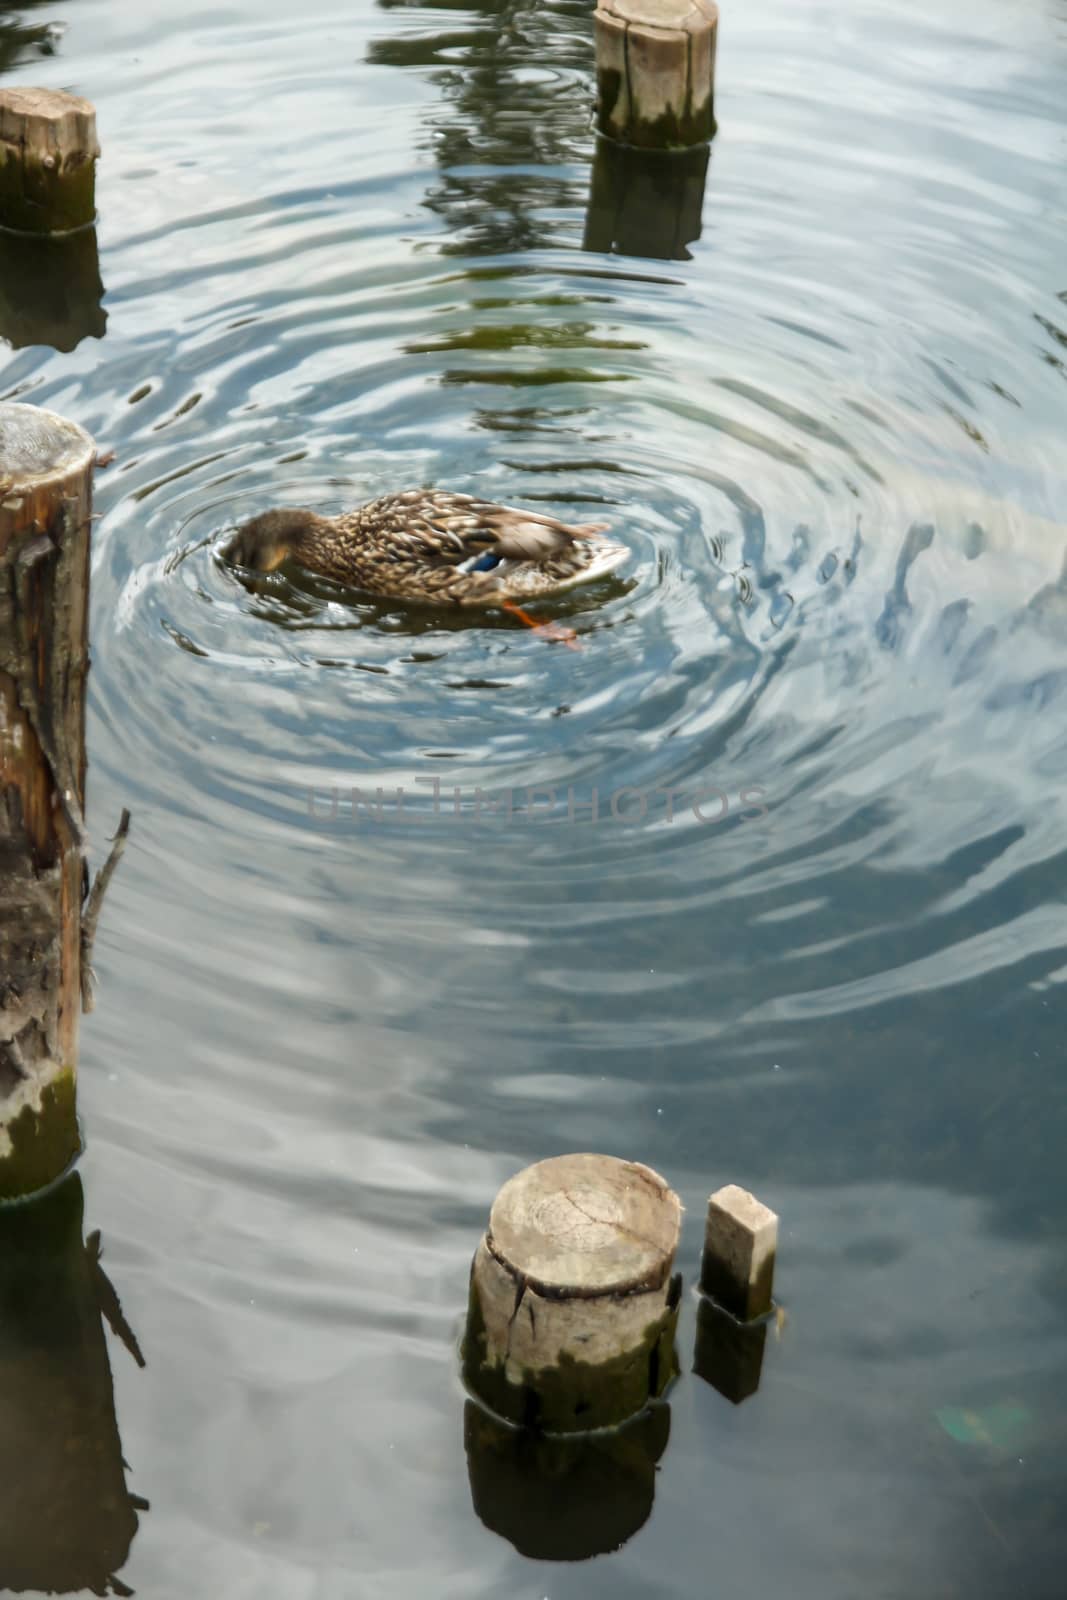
46, 466
655, 62
573, 1307
564, 1497
48, 153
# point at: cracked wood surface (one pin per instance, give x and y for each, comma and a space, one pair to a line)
582, 1225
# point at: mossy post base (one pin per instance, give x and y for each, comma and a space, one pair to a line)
729, 1354
46, 469
655, 69
572, 1303
48, 152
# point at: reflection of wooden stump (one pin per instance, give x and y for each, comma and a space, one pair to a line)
573, 1307
68, 1517
50, 289
645, 202
655, 70
728, 1353
48, 151
45, 494
564, 1499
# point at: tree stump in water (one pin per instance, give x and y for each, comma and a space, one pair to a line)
46, 469
655, 69
643, 202
572, 1304
48, 152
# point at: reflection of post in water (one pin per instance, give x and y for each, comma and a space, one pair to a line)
564, 1499
50, 288
645, 202
68, 1515
510, 131
46, 931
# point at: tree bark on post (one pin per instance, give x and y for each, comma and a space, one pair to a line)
655, 65
48, 152
46, 466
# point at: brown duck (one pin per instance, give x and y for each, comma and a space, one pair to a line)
431, 545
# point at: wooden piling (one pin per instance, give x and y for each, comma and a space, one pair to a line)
740, 1241
573, 1305
48, 153
655, 64
46, 466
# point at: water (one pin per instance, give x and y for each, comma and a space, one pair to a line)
343, 253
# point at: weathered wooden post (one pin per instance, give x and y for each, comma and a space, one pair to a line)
50, 289
655, 67
573, 1306
68, 1514
740, 1243
48, 152
46, 467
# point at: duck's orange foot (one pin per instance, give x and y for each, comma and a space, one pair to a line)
554, 632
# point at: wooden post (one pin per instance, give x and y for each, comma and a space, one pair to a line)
740, 1241
572, 1303
48, 152
655, 67
46, 467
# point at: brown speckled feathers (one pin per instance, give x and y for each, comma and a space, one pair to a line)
433, 545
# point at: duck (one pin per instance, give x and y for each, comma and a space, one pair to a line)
434, 546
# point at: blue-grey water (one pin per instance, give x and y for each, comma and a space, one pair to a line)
350, 248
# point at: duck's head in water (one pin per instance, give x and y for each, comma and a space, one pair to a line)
430, 545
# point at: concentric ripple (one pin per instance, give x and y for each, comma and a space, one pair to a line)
764, 880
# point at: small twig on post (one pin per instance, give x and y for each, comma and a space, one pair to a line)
94, 902
740, 1244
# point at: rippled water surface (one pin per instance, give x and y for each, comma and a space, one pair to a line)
349, 248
